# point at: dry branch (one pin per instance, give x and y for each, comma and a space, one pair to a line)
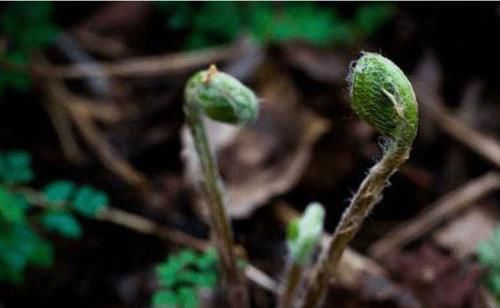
83, 120
486, 146
441, 210
141, 66
64, 130
144, 225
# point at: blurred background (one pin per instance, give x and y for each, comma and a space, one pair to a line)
97, 203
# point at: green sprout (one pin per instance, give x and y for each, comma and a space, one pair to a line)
305, 232
303, 236
382, 96
222, 98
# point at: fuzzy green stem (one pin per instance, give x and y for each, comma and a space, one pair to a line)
213, 189
292, 283
381, 95
368, 194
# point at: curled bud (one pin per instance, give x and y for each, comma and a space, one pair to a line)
222, 97
305, 232
383, 97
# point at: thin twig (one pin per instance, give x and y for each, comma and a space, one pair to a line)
292, 282
100, 84
442, 209
106, 153
486, 146
64, 130
144, 225
91, 134
260, 278
143, 66
106, 46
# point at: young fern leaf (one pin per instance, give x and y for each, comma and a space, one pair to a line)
180, 278
22, 244
303, 236
304, 233
382, 96
15, 167
225, 99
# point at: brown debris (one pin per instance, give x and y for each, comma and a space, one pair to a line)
462, 235
329, 66
442, 209
440, 281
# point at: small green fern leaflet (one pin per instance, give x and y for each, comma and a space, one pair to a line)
214, 23
182, 275
488, 253
25, 27
15, 167
22, 243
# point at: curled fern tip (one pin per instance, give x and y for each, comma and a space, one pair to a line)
222, 97
382, 95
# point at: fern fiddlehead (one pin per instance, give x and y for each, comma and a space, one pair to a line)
225, 99
382, 96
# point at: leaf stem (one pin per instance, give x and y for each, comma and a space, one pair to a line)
292, 283
213, 188
368, 194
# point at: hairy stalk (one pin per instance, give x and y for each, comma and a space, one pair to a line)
361, 205
225, 99
382, 96
293, 279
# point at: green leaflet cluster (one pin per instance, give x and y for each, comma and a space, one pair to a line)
182, 275
27, 214
488, 253
213, 23
24, 28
